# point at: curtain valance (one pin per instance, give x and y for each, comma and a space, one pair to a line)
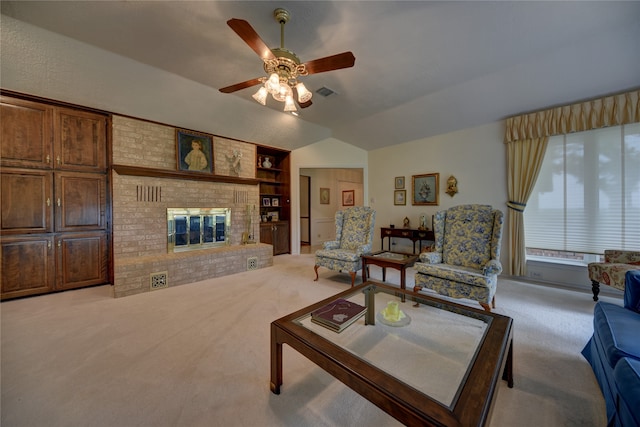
612, 110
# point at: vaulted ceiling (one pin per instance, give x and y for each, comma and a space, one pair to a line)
422, 68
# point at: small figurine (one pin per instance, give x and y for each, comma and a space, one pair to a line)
406, 222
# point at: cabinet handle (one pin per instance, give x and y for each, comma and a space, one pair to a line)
48, 158
48, 201
58, 159
59, 243
58, 201
49, 245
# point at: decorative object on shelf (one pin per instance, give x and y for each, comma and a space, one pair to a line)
282, 66
266, 163
399, 183
194, 151
266, 201
406, 223
274, 216
235, 163
452, 185
265, 218
348, 198
275, 202
400, 197
259, 161
424, 189
423, 222
325, 194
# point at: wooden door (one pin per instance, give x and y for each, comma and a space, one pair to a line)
81, 201
80, 140
82, 259
27, 201
25, 134
28, 266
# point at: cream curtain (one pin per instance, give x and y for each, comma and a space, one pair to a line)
526, 138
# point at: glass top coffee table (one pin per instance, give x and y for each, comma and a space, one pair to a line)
437, 365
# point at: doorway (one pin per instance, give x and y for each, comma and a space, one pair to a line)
305, 210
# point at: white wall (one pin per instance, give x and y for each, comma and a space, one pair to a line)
476, 157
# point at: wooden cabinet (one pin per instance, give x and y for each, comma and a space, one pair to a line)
276, 234
273, 172
54, 231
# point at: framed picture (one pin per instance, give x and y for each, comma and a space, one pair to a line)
324, 196
194, 151
424, 189
400, 197
399, 182
348, 198
266, 201
275, 202
274, 216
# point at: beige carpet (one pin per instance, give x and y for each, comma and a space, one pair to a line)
198, 355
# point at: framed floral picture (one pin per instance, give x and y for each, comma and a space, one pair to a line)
424, 189
400, 197
348, 198
399, 182
194, 151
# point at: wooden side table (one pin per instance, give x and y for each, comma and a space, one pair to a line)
412, 234
398, 260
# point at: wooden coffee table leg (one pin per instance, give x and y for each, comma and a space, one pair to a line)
403, 278
507, 375
276, 362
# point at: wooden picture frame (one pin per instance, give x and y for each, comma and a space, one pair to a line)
266, 201
425, 189
194, 151
399, 182
325, 196
275, 202
400, 197
348, 198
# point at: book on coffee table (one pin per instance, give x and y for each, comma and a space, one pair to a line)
338, 314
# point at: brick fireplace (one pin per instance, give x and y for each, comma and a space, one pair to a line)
140, 210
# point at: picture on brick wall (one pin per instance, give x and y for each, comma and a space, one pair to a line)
194, 151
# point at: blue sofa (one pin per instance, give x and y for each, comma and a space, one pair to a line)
614, 354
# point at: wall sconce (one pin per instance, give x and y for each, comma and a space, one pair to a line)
452, 185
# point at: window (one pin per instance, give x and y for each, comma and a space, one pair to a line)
587, 196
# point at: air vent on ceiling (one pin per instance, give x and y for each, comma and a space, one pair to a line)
325, 91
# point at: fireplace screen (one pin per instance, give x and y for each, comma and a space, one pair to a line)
197, 228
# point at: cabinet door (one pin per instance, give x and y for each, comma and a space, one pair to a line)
80, 140
27, 201
266, 233
25, 133
281, 238
81, 201
27, 266
82, 259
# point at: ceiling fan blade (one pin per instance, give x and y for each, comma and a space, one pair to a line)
250, 37
239, 86
329, 63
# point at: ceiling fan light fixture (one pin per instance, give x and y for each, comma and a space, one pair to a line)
303, 94
283, 92
289, 105
261, 95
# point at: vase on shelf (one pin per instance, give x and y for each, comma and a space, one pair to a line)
266, 163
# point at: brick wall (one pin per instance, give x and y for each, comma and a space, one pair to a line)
140, 209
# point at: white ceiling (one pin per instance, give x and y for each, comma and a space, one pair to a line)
422, 68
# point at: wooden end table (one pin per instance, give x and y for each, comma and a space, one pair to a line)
386, 259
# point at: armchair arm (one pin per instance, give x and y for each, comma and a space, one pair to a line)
331, 244
431, 257
363, 249
632, 290
492, 267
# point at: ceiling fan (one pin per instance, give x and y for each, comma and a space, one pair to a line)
282, 66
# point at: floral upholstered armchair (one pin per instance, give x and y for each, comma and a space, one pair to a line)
612, 271
354, 237
465, 262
